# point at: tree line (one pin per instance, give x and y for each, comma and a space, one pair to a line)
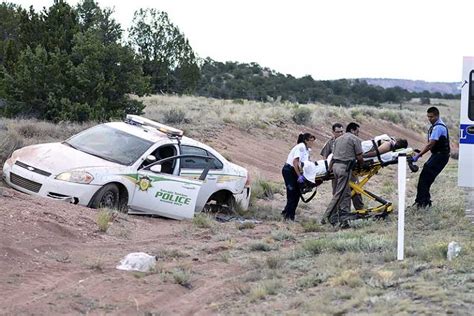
75, 64
232, 80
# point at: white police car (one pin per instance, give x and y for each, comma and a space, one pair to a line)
146, 166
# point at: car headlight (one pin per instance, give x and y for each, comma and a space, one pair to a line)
8, 163
76, 177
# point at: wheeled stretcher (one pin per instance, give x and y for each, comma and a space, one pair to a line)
316, 173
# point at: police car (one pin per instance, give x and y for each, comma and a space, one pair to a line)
138, 164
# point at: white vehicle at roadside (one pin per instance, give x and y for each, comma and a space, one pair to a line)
148, 167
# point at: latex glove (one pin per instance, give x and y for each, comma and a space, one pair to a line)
416, 157
300, 179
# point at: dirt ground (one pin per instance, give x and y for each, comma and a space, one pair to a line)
54, 260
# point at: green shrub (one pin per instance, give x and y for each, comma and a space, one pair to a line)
313, 247
432, 252
264, 288
104, 217
302, 115
238, 101
311, 280
281, 235
391, 116
174, 116
263, 189
260, 246
202, 221
245, 225
258, 292
349, 278
182, 277
364, 243
273, 262
9, 142
311, 226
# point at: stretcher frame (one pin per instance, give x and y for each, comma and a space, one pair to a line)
365, 173
379, 211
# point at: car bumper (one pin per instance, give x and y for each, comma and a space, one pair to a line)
243, 198
33, 183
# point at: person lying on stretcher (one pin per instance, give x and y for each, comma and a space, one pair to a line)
382, 144
387, 147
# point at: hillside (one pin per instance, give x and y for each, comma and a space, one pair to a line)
54, 259
416, 85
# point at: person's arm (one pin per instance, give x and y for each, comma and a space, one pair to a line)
427, 148
330, 166
326, 151
358, 151
299, 172
435, 134
383, 148
369, 154
296, 166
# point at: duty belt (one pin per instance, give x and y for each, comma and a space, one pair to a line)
346, 162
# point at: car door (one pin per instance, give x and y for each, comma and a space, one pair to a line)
192, 167
165, 195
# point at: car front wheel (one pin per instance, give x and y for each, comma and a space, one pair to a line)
108, 197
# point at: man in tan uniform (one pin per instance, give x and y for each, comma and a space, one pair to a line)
338, 130
347, 149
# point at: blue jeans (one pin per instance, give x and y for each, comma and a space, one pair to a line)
292, 191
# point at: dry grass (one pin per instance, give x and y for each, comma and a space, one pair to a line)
17, 133
355, 271
204, 113
104, 217
306, 268
203, 220
198, 115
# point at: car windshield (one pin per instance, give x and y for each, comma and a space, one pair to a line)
110, 144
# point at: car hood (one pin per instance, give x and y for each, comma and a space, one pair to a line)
57, 157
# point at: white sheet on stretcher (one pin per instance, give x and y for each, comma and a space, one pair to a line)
312, 171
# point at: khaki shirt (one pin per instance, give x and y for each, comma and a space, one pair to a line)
347, 147
328, 148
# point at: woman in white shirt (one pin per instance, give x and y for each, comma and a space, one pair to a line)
293, 173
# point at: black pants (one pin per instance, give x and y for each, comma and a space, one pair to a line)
430, 171
292, 191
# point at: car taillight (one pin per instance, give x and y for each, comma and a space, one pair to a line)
247, 183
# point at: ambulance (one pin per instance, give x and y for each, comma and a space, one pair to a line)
466, 131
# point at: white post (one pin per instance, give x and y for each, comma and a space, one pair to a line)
402, 176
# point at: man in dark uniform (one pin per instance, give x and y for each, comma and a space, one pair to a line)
338, 130
438, 144
347, 149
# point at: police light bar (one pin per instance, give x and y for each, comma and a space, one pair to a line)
138, 120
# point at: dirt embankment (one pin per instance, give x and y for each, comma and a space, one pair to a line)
264, 152
53, 259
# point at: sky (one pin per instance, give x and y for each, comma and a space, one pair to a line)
327, 39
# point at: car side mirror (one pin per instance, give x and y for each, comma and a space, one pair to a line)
156, 168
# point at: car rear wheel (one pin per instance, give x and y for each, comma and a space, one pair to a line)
108, 196
222, 201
